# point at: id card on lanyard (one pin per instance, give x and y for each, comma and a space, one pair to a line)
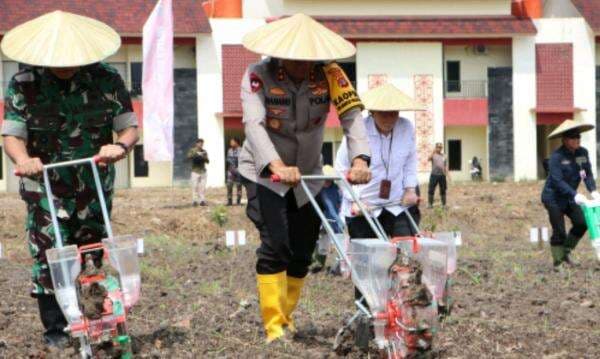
385, 186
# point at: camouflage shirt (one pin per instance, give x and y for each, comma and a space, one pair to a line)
61, 120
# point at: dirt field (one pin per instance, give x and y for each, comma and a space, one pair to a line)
199, 297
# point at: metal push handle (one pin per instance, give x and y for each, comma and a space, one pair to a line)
92, 161
405, 210
303, 182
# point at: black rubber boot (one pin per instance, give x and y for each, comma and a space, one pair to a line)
229, 202
443, 200
570, 244
558, 255
54, 322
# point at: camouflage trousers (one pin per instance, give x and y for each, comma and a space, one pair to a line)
80, 222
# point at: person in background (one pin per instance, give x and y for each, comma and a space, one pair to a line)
199, 157
66, 105
233, 176
439, 173
394, 165
569, 165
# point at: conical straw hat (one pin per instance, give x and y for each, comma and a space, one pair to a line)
569, 125
60, 39
298, 37
388, 98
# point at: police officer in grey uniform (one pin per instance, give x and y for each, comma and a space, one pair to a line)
286, 99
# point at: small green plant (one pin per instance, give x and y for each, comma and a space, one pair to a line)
475, 277
219, 215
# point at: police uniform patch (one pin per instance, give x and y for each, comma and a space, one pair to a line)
277, 91
274, 123
275, 111
342, 94
319, 91
255, 82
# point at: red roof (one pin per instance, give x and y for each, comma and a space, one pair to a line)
403, 26
125, 16
554, 69
590, 10
466, 112
235, 60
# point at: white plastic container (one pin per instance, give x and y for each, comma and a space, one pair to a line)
596, 246
371, 261
450, 240
122, 253
323, 243
432, 254
64, 268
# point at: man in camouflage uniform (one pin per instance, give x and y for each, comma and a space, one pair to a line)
55, 114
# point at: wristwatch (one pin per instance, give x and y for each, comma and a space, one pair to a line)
364, 158
123, 146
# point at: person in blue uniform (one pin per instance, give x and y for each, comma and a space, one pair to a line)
568, 166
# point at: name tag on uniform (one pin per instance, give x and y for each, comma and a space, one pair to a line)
565, 162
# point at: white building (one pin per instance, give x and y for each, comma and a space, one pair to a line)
496, 77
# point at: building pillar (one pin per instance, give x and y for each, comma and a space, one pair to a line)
584, 83
524, 101
210, 125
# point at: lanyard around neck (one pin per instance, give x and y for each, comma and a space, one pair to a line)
386, 165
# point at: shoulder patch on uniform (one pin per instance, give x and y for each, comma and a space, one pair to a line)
580, 160
255, 82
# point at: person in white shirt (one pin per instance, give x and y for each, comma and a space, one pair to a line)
393, 165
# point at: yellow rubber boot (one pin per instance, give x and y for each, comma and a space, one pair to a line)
272, 291
294, 287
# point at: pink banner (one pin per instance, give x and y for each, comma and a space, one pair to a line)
157, 83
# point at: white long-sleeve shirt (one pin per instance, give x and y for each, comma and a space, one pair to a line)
402, 168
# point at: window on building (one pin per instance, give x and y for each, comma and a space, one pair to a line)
327, 153
1, 164
9, 69
140, 166
136, 78
350, 70
121, 67
454, 155
452, 76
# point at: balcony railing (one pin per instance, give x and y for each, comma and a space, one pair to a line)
466, 89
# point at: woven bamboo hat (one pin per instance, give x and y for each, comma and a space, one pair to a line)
298, 37
60, 39
570, 125
389, 98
